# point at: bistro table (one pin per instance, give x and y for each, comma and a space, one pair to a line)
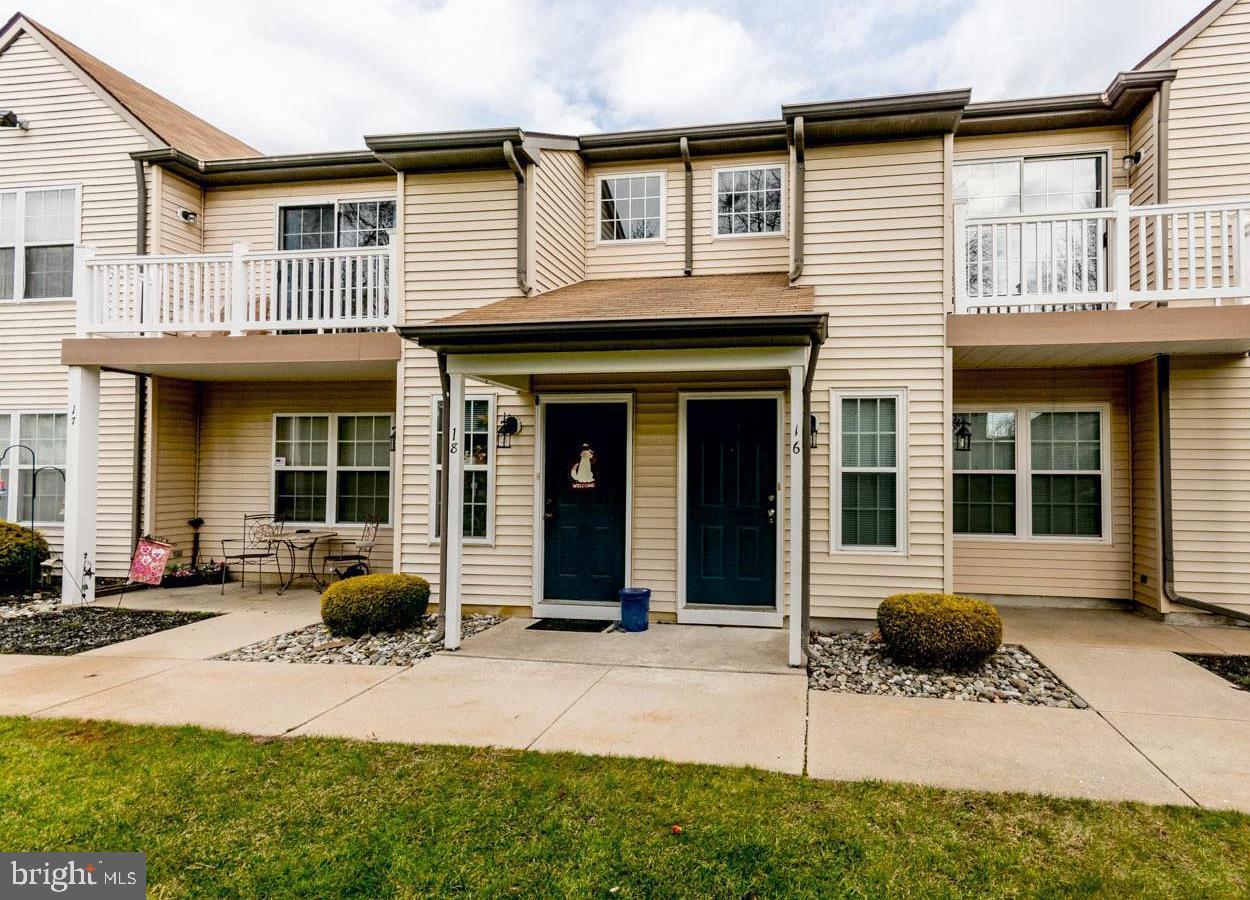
297, 541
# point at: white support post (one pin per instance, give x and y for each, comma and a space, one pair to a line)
795, 450
1242, 259
238, 289
85, 300
961, 258
454, 434
389, 309
81, 454
1121, 251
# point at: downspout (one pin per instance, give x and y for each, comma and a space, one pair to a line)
1161, 143
1163, 387
444, 483
522, 217
800, 190
813, 358
139, 468
685, 161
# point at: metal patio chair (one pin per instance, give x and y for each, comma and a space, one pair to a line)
261, 542
353, 556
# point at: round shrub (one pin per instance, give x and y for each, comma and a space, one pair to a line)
944, 630
371, 603
16, 551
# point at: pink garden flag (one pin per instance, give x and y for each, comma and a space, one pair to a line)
148, 564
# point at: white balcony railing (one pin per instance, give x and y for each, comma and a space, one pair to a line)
236, 292
1108, 258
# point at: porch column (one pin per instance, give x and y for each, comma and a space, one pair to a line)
81, 455
453, 428
796, 449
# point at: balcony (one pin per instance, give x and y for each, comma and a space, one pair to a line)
240, 292
1121, 257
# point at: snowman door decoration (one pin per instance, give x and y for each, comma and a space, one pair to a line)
582, 475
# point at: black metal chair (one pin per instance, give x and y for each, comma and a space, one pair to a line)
261, 542
353, 556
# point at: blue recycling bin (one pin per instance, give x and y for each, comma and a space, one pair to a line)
635, 602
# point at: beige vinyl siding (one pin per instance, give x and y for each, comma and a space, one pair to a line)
874, 254
460, 252
74, 138
236, 450
1209, 113
712, 256
1147, 562
249, 213
1210, 424
174, 463
1143, 181
559, 226
172, 234
1054, 568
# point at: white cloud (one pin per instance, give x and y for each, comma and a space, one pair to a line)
298, 75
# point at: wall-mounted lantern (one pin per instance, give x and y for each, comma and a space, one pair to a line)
1129, 160
9, 119
962, 428
815, 426
508, 426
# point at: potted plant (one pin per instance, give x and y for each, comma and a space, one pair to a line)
181, 575
211, 571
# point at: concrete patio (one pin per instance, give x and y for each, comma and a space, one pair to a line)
1160, 729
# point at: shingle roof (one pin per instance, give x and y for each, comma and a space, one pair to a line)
700, 296
169, 121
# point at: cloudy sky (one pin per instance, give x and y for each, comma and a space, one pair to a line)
303, 75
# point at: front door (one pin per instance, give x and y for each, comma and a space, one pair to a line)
585, 471
731, 502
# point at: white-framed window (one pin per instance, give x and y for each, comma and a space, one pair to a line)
869, 471
326, 224
477, 441
630, 207
1034, 473
38, 229
748, 200
44, 431
1032, 184
984, 484
332, 468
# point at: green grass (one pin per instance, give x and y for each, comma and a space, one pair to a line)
220, 814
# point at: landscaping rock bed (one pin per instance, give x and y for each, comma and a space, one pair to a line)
1235, 669
315, 644
48, 628
855, 663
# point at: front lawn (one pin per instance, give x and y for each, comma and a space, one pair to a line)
221, 814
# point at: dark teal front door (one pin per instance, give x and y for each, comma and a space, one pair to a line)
731, 502
585, 470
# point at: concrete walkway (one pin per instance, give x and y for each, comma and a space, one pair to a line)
1160, 729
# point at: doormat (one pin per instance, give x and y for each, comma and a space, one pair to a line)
587, 625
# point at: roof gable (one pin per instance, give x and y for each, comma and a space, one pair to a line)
158, 116
1161, 56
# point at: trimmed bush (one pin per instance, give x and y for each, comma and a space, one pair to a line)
944, 630
16, 550
372, 603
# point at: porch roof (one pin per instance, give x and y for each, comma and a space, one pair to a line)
632, 313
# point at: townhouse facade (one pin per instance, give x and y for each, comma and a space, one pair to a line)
770, 370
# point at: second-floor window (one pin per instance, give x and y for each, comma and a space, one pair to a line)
631, 207
38, 228
748, 200
1009, 187
345, 223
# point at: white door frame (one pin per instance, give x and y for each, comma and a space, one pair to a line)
578, 609
729, 614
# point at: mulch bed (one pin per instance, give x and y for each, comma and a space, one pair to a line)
856, 663
315, 644
1235, 669
47, 628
